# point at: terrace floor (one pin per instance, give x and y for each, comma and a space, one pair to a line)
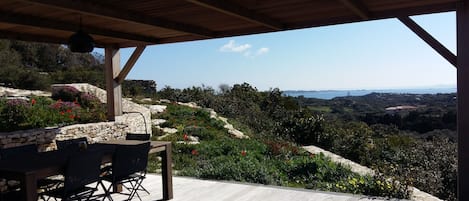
186, 188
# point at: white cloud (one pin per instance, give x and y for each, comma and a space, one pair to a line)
244, 49
231, 46
262, 51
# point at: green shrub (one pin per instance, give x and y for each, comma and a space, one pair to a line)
39, 112
14, 114
66, 93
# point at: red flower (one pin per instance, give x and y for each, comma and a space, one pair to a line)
72, 116
244, 153
69, 111
62, 113
33, 101
186, 137
76, 103
195, 152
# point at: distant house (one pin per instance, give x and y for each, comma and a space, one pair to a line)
400, 108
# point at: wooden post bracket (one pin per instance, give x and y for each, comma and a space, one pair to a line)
130, 64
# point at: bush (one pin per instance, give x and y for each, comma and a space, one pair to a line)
39, 112
66, 93
14, 114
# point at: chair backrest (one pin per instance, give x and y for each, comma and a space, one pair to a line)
18, 151
71, 143
82, 168
135, 136
129, 159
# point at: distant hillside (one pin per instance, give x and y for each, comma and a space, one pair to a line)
415, 112
27, 65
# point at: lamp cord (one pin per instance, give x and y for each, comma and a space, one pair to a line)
143, 116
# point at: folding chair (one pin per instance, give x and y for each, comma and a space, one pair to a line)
83, 168
128, 169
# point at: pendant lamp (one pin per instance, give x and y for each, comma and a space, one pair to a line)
80, 41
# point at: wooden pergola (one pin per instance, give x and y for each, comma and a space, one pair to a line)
116, 24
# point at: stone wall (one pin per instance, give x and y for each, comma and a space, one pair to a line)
137, 119
45, 137
10, 92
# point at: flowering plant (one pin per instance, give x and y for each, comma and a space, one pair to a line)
19, 114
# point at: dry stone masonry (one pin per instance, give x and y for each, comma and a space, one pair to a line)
137, 119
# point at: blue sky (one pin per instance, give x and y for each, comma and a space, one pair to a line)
381, 54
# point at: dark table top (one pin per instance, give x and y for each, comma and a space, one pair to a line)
51, 162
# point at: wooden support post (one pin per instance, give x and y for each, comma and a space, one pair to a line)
113, 89
462, 18
167, 173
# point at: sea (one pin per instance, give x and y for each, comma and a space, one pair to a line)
330, 94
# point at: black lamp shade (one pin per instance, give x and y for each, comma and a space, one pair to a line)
81, 42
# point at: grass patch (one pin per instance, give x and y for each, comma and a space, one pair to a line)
320, 109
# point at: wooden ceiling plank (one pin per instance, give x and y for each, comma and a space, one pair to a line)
357, 7
238, 11
34, 21
121, 14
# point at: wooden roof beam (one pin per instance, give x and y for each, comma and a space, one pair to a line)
33, 21
358, 8
121, 14
29, 37
230, 8
430, 40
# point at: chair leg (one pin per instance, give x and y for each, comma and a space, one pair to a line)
135, 187
92, 192
107, 191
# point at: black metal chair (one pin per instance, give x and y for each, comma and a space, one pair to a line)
83, 168
135, 136
71, 143
129, 164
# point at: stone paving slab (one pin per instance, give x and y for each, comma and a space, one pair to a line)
191, 189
